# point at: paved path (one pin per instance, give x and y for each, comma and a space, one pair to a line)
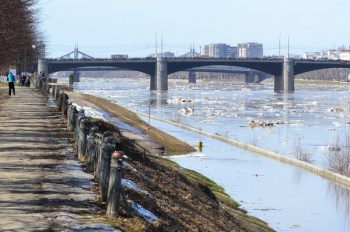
42, 187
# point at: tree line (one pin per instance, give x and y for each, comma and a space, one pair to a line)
18, 32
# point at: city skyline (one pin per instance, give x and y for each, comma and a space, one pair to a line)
108, 27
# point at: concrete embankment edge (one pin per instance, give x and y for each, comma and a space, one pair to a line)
332, 176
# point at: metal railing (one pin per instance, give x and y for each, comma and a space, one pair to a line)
95, 149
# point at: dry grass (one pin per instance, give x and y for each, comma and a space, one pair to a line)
182, 199
299, 151
172, 145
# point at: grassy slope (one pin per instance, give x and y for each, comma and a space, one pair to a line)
172, 145
192, 178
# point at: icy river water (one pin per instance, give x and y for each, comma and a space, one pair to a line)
286, 197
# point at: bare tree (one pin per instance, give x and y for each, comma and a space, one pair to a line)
338, 155
254, 140
332, 74
299, 150
18, 31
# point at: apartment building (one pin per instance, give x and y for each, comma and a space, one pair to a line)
219, 50
325, 55
250, 50
164, 54
344, 55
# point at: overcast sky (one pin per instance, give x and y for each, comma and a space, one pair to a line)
101, 28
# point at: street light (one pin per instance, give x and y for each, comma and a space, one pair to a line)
25, 60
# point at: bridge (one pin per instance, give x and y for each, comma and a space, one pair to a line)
250, 75
159, 68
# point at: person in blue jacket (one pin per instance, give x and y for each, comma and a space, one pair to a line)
11, 81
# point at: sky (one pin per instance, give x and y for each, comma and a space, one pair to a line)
139, 28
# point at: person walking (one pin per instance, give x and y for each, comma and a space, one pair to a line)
11, 81
23, 80
40, 79
27, 84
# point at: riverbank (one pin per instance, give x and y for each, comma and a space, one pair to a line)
237, 170
172, 146
183, 200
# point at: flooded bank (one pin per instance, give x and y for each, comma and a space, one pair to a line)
286, 197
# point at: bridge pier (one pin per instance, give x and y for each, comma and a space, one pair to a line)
161, 73
191, 77
76, 76
249, 77
285, 82
43, 66
153, 83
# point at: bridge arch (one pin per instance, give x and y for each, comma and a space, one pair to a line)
144, 67
272, 67
250, 75
308, 66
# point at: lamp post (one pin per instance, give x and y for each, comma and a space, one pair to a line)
34, 46
279, 47
25, 60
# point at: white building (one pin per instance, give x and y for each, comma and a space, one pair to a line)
164, 54
323, 55
250, 50
344, 55
219, 50
333, 54
309, 56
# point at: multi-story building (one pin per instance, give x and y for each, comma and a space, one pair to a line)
205, 50
250, 50
219, 50
164, 54
323, 55
344, 55
232, 52
333, 54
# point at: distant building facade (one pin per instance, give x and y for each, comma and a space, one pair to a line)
323, 55
219, 50
164, 54
250, 50
333, 54
344, 55
205, 51
232, 52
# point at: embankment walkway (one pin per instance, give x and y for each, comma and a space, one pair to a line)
42, 187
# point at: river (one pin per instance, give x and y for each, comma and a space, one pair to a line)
286, 197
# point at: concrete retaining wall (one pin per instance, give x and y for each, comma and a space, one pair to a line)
332, 176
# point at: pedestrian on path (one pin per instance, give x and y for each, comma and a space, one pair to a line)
40, 78
23, 80
11, 81
27, 84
